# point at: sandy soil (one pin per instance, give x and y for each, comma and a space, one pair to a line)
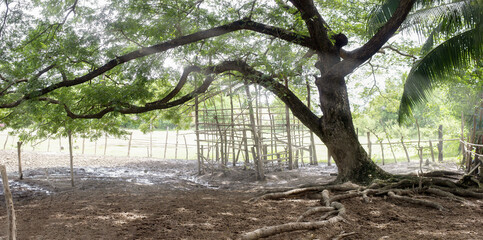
137, 198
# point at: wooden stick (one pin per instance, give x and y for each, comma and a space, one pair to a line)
12, 226
432, 150
369, 144
382, 151
405, 149
69, 133
129, 145
166, 142
19, 151
105, 145
5, 144
440, 144
197, 131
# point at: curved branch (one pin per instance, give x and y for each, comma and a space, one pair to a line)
162, 47
40, 73
299, 109
355, 58
382, 36
316, 25
182, 81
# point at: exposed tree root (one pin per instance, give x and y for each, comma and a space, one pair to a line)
416, 201
295, 226
334, 211
314, 211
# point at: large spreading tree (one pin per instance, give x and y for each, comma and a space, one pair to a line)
100, 60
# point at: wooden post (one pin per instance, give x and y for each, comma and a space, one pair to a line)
247, 154
405, 149
432, 150
60, 143
11, 218
48, 145
197, 132
329, 156
369, 144
222, 139
257, 153
389, 141
382, 151
71, 156
5, 144
95, 147
105, 145
150, 153
232, 128
289, 135
440, 144
185, 146
176, 146
166, 142
83, 145
19, 151
129, 145
462, 140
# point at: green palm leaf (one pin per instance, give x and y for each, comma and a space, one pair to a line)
438, 65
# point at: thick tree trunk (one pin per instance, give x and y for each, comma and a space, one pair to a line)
338, 133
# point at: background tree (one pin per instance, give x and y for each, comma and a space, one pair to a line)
454, 43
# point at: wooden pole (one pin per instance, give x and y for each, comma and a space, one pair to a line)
5, 144
440, 144
129, 145
389, 141
232, 128
48, 145
405, 149
185, 146
176, 145
95, 147
166, 142
71, 156
12, 226
150, 139
462, 146
432, 150
369, 144
83, 145
105, 145
60, 143
289, 135
197, 132
420, 149
329, 156
257, 153
382, 151
19, 151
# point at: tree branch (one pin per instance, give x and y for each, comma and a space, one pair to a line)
384, 34
316, 25
182, 81
4, 18
299, 109
355, 58
181, 41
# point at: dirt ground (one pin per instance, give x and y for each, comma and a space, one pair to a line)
139, 198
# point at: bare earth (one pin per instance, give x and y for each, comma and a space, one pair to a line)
136, 198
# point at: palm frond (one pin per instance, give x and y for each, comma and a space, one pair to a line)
436, 67
380, 15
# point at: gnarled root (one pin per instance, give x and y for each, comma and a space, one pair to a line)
335, 211
295, 226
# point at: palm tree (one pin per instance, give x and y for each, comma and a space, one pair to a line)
454, 31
